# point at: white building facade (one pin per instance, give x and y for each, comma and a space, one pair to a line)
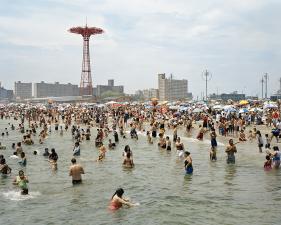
171, 89
22, 90
56, 89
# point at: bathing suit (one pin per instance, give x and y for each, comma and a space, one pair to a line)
168, 148
76, 182
267, 165
214, 142
188, 169
230, 159
115, 205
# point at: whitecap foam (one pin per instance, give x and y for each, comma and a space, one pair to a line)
17, 196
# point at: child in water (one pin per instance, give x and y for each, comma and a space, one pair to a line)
213, 154
267, 164
267, 141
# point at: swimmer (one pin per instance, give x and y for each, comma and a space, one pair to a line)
213, 154
149, 139
128, 161
276, 157
102, 150
188, 163
117, 200
23, 159
76, 149
230, 151
111, 145
179, 147
19, 148
75, 171
4, 168
126, 150
242, 136
53, 158
168, 144
267, 141
200, 133
21, 180
260, 141
267, 164
46, 153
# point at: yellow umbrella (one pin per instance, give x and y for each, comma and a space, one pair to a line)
154, 99
243, 102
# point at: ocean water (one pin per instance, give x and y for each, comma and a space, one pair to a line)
216, 193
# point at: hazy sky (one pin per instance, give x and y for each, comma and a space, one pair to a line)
237, 40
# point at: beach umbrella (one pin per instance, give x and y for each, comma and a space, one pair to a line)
231, 110
255, 110
244, 110
243, 102
218, 107
183, 108
100, 105
174, 107
270, 106
111, 103
197, 110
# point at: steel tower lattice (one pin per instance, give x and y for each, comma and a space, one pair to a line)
86, 85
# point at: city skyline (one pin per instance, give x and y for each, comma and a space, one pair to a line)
237, 40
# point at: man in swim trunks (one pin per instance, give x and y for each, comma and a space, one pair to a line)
230, 150
75, 171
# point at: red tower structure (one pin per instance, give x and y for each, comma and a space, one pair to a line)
86, 85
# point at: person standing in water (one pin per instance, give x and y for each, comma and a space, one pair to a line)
117, 200
53, 158
75, 171
260, 141
4, 168
76, 149
230, 151
21, 180
128, 161
276, 157
23, 159
188, 163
